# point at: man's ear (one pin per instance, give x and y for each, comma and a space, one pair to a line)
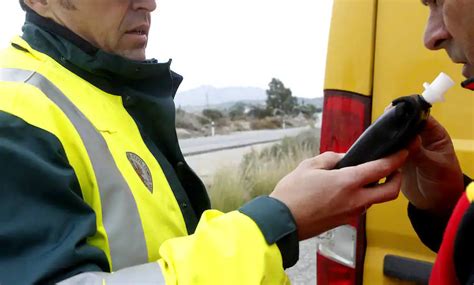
39, 6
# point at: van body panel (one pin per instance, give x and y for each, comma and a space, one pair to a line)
352, 32
376, 49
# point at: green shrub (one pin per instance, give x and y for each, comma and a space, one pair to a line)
237, 111
259, 112
212, 114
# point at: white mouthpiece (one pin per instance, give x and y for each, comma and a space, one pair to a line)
434, 92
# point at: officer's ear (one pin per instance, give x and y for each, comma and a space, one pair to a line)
42, 7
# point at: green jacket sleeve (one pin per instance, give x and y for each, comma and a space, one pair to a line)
44, 222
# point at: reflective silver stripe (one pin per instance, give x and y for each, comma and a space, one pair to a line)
119, 209
149, 273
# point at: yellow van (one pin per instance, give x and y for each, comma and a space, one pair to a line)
376, 54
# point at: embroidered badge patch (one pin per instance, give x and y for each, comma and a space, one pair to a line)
141, 169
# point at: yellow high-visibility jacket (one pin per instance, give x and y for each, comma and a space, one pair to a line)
94, 188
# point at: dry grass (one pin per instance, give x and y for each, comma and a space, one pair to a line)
265, 123
259, 172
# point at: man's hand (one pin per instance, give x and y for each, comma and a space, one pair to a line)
320, 198
432, 176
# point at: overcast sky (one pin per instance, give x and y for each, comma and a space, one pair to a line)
232, 42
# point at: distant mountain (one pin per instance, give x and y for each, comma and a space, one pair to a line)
209, 95
225, 106
195, 100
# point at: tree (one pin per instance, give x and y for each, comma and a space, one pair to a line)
237, 111
308, 110
259, 113
279, 97
212, 114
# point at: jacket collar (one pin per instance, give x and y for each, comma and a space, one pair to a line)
468, 84
109, 72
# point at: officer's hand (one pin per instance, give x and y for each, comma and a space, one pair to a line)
321, 199
432, 177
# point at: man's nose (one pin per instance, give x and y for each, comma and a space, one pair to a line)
436, 33
148, 5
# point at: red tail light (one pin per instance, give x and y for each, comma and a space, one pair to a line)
341, 251
332, 272
346, 115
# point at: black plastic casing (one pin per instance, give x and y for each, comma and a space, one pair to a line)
391, 132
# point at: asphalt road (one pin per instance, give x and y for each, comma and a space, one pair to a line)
195, 146
304, 271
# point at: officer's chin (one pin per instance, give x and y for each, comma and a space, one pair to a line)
137, 54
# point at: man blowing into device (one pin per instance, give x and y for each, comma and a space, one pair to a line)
441, 208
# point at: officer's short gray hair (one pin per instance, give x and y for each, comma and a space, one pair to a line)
65, 3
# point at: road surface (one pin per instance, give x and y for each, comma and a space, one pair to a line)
195, 146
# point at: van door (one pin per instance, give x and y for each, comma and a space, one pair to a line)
376, 54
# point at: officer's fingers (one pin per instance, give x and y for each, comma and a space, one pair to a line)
326, 160
414, 146
373, 171
383, 192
